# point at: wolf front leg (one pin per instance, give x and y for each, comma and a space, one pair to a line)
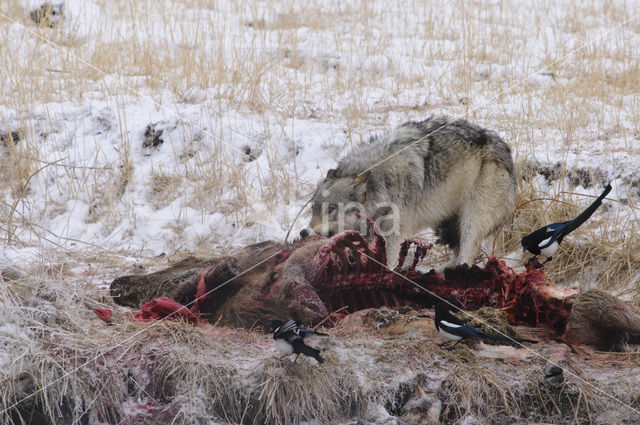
486, 208
393, 250
469, 243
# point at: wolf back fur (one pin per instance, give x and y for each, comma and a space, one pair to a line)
449, 175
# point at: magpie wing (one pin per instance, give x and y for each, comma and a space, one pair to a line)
544, 234
470, 331
552, 232
290, 326
454, 319
584, 215
464, 331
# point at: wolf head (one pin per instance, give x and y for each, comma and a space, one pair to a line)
334, 203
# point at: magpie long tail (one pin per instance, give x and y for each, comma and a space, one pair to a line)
584, 215
311, 352
530, 341
506, 338
312, 332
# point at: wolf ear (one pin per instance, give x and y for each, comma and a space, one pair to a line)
331, 174
362, 177
360, 187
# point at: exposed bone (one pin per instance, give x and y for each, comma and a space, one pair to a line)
310, 279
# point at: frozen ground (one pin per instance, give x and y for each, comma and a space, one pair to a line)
256, 100
147, 130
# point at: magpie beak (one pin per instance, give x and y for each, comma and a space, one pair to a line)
289, 338
454, 329
546, 240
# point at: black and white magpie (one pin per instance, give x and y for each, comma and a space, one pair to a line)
454, 329
545, 240
290, 339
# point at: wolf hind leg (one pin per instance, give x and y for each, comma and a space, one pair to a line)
479, 218
448, 232
487, 207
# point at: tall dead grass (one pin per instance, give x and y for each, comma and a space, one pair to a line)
602, 253
236, 74
61, 365
483, 393
357, 70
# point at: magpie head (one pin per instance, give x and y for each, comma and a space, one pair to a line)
527, 243
442, 309
275, 324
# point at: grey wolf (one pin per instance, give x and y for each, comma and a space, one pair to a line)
449, 175
290, 339
545, 240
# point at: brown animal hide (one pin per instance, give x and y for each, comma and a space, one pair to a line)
135, 290
317, 278
602, 321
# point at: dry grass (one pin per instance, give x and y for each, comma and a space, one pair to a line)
481, 392
66, 366
62, 365
231, 74
603, 253
292, 393
349, 70
356, 70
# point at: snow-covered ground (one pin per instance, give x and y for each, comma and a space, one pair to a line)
256, 100
147, 130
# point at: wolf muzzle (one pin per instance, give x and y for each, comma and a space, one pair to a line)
306, 232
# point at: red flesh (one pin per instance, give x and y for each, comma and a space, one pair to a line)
349, 273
